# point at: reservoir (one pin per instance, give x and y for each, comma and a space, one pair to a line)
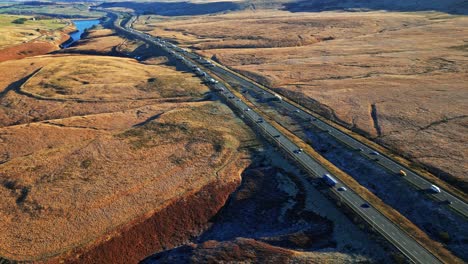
81, 26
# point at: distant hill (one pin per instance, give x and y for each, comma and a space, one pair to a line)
448, 6
176, 8
199, 7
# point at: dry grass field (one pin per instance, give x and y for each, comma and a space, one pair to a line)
26, 98
400, 78
86, 150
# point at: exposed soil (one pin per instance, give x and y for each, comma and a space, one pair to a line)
167, 228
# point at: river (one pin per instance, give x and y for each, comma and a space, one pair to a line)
81, 26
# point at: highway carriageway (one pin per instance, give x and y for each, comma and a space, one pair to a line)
409, 247
397, 237
381, 159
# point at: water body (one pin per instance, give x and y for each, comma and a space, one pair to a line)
81, 26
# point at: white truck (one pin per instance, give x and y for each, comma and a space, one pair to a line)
435, 189
278, 98
329, 180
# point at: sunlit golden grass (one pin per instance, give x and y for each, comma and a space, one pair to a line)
90, 168
86, 150
109, 78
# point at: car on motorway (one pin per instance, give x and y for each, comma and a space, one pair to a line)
375, 153
365, 205
260, 120
297, 111
231, 97
277, 136
402, 173
247, 109
342, 189
298, 151
211, 80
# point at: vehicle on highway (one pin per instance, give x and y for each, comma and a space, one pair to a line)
375, 153
297, 111
260, 120
434, 189
365, 205
402, 173
277, 98
329, 180
277, 136
247, 109
298, 151
211, 80
342, 189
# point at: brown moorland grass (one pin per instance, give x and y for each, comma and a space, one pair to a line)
60, 86
64, 178
409, 67
100, 78
84, 156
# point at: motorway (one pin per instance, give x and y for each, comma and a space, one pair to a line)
397, 237
358, 147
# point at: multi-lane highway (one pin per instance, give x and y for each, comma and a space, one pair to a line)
358, 147
401, 240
